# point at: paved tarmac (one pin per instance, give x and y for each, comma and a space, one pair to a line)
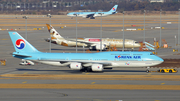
34, 88
87, 95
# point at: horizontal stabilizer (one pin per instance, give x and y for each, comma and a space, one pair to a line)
149, 46
22, 55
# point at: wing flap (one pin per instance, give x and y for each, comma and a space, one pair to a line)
89, 15
82, 41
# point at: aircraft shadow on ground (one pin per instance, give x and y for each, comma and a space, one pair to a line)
77, 71
124, 71
69, 71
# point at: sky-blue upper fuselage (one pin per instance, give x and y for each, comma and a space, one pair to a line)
102, 56
88, 13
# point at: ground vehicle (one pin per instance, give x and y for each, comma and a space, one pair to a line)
168, 70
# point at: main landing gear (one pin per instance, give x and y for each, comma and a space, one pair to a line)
88, 69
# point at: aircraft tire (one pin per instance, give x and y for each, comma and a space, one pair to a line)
82, 70
89, 69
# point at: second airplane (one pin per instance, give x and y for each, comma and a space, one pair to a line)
91, 43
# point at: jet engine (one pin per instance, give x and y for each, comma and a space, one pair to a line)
98, 47
75, 66
97, 67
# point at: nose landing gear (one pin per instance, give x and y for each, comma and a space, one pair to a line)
148, 69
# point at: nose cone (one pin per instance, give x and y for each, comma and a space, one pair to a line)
160, 60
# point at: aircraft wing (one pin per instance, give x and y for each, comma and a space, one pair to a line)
84, 63
90, 15
82, 41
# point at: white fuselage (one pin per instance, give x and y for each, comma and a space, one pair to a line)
88, 42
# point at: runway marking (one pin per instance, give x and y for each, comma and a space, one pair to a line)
93, 82
25, 72
24, 82
90, 86
86, 73
4, 39
107, 77
162, 83
90, 77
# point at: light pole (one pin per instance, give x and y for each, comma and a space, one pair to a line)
25, 17
160, 27
123, 32
179, 29
101, 33
144, 24
49, 15
175, 42
76, 32
155, 45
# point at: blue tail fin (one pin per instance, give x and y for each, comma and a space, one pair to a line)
20, 44
114, 8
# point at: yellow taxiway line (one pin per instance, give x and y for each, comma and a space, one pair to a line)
90, 86
93, 76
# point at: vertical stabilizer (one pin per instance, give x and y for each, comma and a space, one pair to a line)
53, 32
20, 44
114, 8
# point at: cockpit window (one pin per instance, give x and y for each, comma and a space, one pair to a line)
151, 54
136, 42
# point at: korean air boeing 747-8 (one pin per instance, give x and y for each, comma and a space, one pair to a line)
92, 15
83, 61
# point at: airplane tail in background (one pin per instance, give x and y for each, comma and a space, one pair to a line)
114, 8
20, 44
53, 32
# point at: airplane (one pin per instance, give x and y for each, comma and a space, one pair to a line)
92, 15
91, 43
83, 61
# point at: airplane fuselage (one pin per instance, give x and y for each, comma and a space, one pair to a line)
84, 14
94, 41
112, 59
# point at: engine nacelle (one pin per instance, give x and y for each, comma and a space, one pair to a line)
97, 67
75, 66
98, 47
84, 16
